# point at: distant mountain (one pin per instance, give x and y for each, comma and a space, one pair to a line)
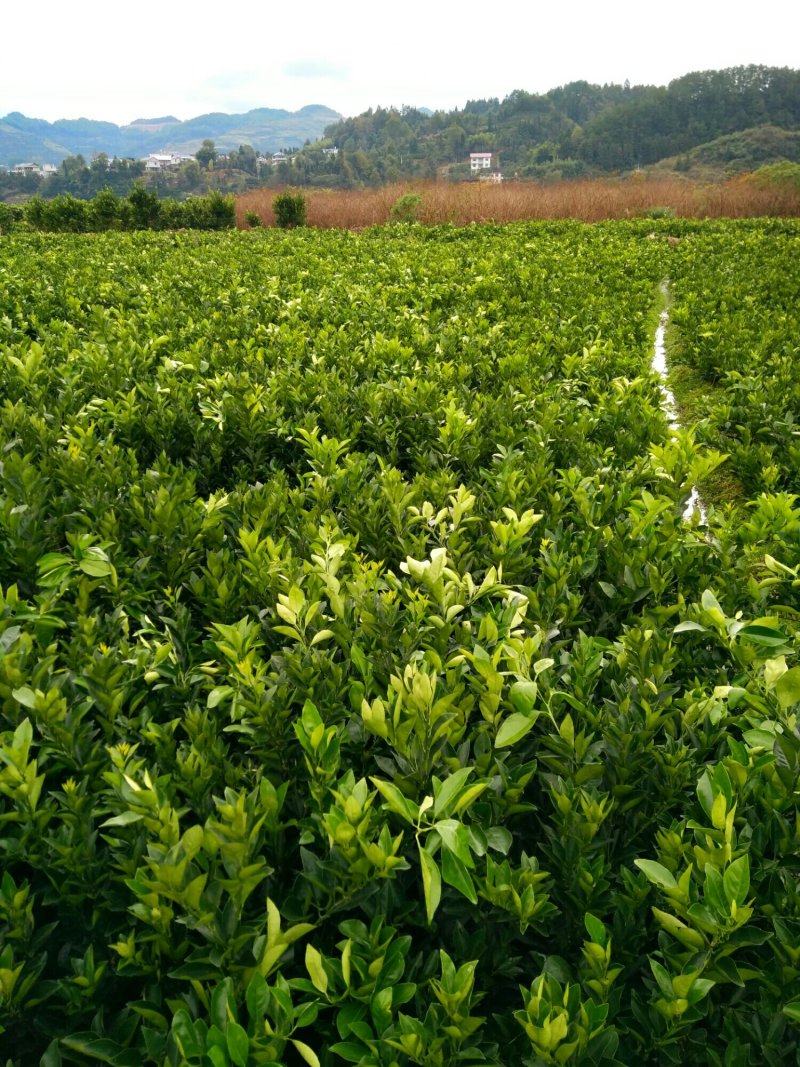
24, 139
168, 120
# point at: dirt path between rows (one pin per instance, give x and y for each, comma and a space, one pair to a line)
694, 503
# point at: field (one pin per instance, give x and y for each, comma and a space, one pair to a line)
364, 696
511, 201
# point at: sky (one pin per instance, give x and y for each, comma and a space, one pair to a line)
118, 62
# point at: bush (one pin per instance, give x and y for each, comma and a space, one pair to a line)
145, 209
105, 210
35, 212
7, 218
784, 175
290, 210
66, 214
252, 218
220, 211
140, 210
660, 213
212, 212
407, 208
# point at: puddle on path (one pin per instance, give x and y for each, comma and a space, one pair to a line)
694, 503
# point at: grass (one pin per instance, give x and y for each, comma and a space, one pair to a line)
694, 396
588, 201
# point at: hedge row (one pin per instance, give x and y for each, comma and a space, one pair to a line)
139, 210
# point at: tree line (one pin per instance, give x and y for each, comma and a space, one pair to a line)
569, 131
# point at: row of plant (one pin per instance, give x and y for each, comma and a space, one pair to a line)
736, 310
139, 210
364, 698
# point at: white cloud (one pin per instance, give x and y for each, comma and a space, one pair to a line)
117, 62
313, 69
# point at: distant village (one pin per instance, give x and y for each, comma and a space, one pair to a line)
165, 161
482, 165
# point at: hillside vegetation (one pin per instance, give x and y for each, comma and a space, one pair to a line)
570, 131
734, 154
575, 130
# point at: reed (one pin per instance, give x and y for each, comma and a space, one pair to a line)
588, 201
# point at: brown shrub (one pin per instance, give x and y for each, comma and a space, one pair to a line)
588, 201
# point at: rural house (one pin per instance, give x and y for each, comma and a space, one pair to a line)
479, 161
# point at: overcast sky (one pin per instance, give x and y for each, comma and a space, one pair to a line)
107, 60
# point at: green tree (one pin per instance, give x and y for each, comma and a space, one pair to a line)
290, 210
206, 153
455, 141
246, 158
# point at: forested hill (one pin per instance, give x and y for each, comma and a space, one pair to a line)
576, 128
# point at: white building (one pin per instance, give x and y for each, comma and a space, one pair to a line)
165, 160
479, 161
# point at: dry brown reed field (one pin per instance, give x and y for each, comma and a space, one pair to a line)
589, 201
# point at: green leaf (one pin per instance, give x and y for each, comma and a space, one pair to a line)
221, 1003
310, 717
185, 1034
51, 1056
656, 873
218, 694
24, 696
787, 688
759, 739
445, 793
196, 970
398, 803
705, 792
595, 929
763, 635
468, 796
455, 837
792, 1010
710, 602
95, 568
350, 1051
308, 1054
688, 626
736, 880
456, 874
315, 969
238, 1044
523, 695
431, 882
217, 1056
103, 1049
125, 818
150, 1012
663, 979
320, 636
725, 970
514, 728
360, 661
714, 890
499, 839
